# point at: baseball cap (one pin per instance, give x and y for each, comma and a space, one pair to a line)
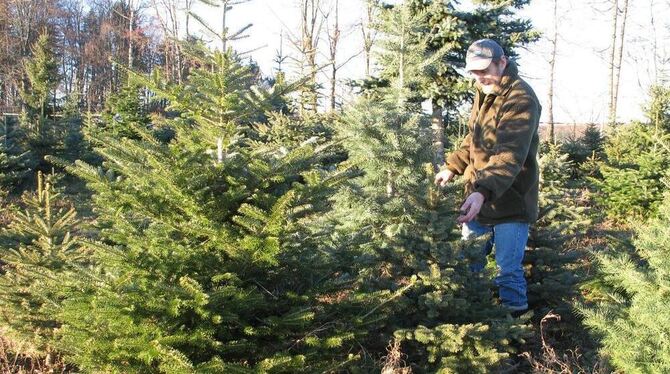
481, 53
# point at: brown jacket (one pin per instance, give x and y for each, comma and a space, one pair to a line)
499, 156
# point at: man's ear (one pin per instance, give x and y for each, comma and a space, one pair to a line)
503, 62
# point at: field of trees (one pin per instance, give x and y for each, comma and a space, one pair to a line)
166, 207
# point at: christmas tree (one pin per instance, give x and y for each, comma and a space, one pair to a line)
629, 310
14, 164
435, 310
39, 249
209, 263
43, 136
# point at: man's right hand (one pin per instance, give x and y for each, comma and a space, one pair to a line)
443, 177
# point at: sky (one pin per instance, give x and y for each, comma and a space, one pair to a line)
582, 74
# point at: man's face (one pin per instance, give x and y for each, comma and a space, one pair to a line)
489, 78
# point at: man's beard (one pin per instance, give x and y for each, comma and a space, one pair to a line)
489, 88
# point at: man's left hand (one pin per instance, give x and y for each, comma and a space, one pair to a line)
471, 207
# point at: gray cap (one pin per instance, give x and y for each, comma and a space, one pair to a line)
481, 53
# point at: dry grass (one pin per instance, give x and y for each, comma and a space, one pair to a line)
14, 359
550, 360
393, 361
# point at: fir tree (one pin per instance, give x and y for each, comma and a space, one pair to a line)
658, 109
210, 265
124, 111
42, 73
408, 260
630, 315
38, 249
560, 219
550, 263
14, 164
43, 135
593, 141
444, 30
635, 163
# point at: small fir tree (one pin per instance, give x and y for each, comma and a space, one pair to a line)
210, 264
560, 218
42, 74
549, 261
593, 141
658, 109
631, 184
43, 136
124, 111
14, 164
409, 262
631, 315
38, 248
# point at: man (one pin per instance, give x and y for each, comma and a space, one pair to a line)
498, 159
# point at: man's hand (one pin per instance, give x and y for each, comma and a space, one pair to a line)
471, 207
443, 177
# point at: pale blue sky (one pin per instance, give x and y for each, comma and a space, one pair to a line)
581, 71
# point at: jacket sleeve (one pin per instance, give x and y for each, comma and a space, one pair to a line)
515, 131
458, 160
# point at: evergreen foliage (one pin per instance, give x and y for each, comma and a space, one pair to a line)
38, 249
14, 164
402, 228
583, 151
42, 135
406, 57
658, 109
560, 218
635, 163
492, 19
438, 33
631, 315
209, 264
550, 265
124, 111
42, 74
245, 241
593, 141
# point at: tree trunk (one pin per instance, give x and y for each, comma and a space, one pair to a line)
552, 70
333, 82
654, 47
622, 43
334, 40
188, 6
615, 17
224, 29
368, 35
131, 19
308, 47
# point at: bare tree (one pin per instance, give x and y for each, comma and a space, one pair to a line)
615, 18
661, 60
279, 55
622, 43
369, 33
333, 40
188, 6
310, 29
132, 9
552, 71
168, 17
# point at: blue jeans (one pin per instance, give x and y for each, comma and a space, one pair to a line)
509, 240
